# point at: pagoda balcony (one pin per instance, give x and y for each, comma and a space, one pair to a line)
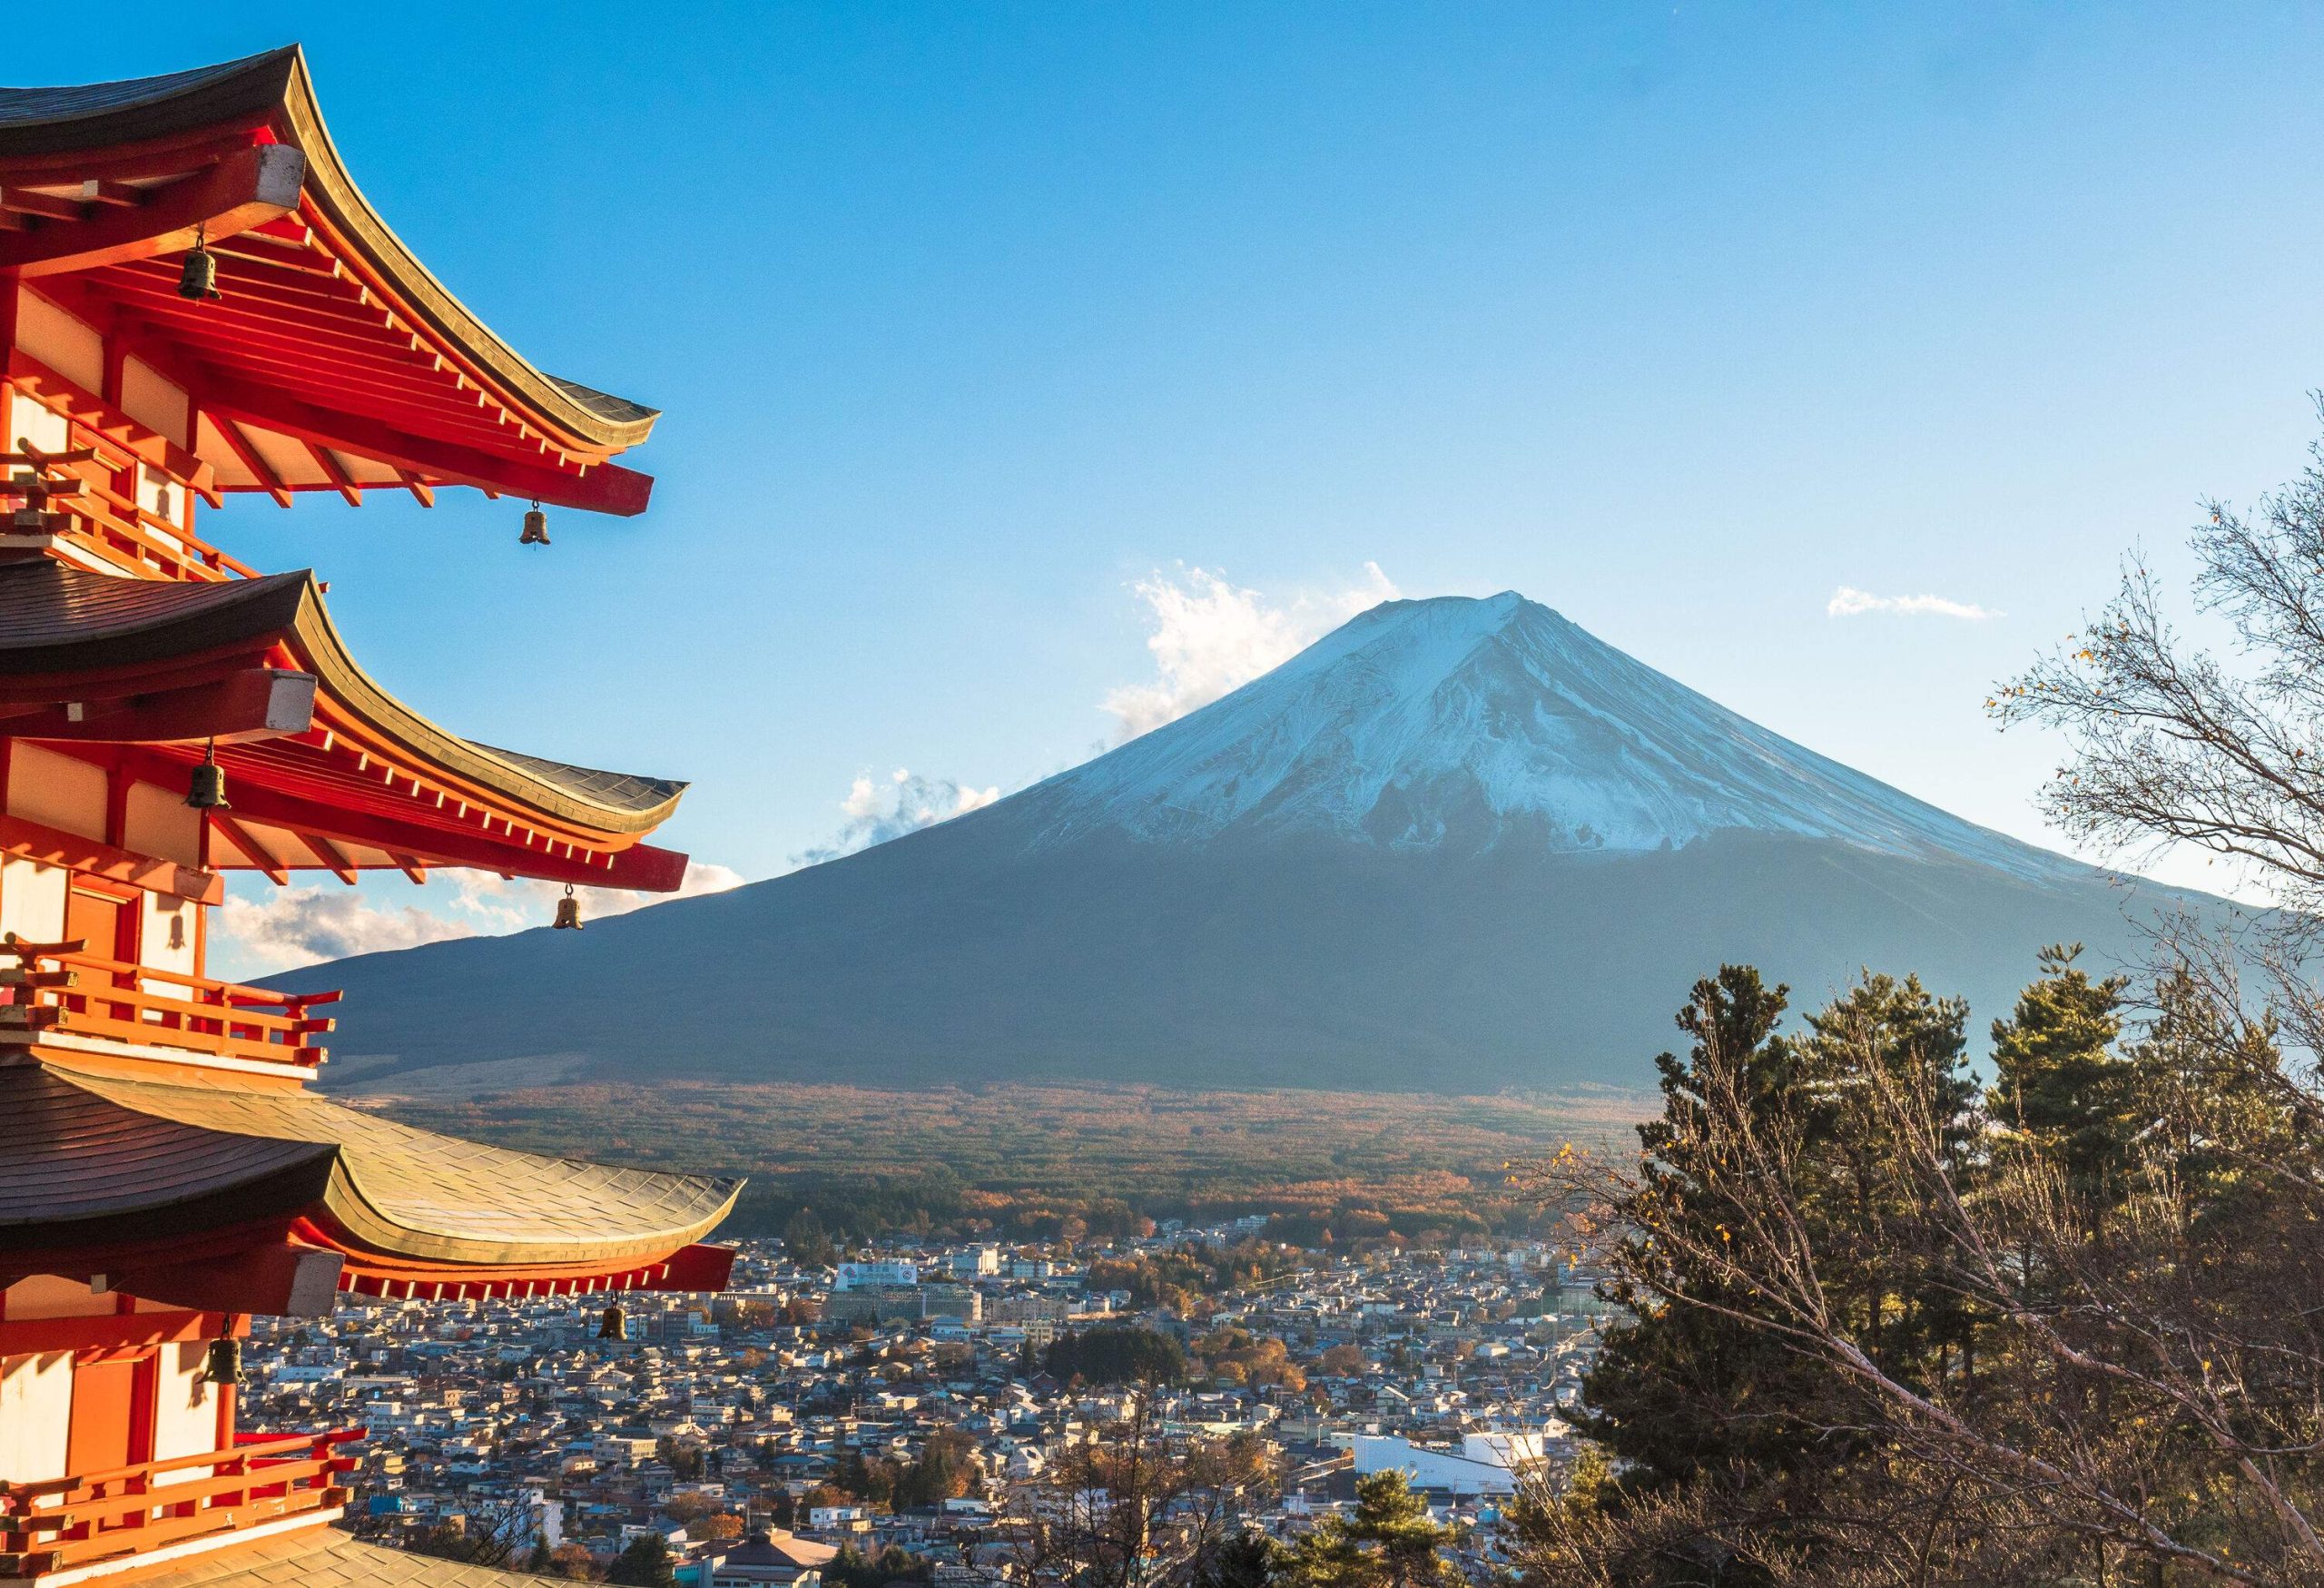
97, 521
57, 990
68, 502
125, 535
181, 1505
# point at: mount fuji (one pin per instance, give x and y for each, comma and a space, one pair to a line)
1456, 844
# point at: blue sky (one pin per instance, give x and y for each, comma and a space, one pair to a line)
971, 321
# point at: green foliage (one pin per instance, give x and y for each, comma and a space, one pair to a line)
1389, 1541
852, 1568
943, 1470
1174, 1278
1879, 1322
644, 1562
1117, 1354
2057, 1078
806, 1241
1678, 1390
1248, 1560
683, 1458
1660, 1391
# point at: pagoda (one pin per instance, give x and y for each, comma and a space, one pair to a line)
196, 301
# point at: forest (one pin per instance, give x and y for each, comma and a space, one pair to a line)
1067, 1162
1900, 1309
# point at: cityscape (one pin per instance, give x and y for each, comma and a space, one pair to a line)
753, 1421
1700, 971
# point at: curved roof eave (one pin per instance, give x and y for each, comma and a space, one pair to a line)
556, 788
57, 620
186, 1154
275, 88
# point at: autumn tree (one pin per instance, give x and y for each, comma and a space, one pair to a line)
490, 1533
945, 1470
1134, 1506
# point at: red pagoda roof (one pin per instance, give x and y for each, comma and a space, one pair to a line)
327, 769
332, 358
143, 1178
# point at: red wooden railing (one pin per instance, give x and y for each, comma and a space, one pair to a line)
49, 1526
58, 987
125, 533
85, 508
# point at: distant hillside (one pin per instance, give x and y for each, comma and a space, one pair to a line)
1456, 846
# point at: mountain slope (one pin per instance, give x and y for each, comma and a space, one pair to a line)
1456, 724
1456, 844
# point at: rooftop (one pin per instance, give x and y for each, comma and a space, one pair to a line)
332, 357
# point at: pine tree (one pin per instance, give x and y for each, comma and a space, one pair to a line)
1390, 1541
644, 1563
1678, 1388
2057, 1079
2209, 1102
1248, 1560
1658, 1393
1883, 1033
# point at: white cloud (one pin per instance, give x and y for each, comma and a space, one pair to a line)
1210, 637
299, 926
290, 927
879, 809
499, 904
1849, 602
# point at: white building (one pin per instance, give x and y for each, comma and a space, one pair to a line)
1486, 1463
976, 1262
894, 1271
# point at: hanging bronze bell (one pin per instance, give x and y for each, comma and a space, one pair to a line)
614, 1324
198, 278
224, 1365
569, 911
536, 527
207, 791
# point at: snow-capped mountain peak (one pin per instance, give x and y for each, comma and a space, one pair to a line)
1468, 724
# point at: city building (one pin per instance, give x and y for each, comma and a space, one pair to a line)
976, 1262
1484, 1464
196, 300
770, 1559
864, 1275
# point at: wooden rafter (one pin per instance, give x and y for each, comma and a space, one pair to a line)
422, 492
242, 191
336, 472
46, 206
111, 426
261, 857
607, 488
336, 861
97, 190
54, 846
255, 303
244, 448
253, 702
226, 324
